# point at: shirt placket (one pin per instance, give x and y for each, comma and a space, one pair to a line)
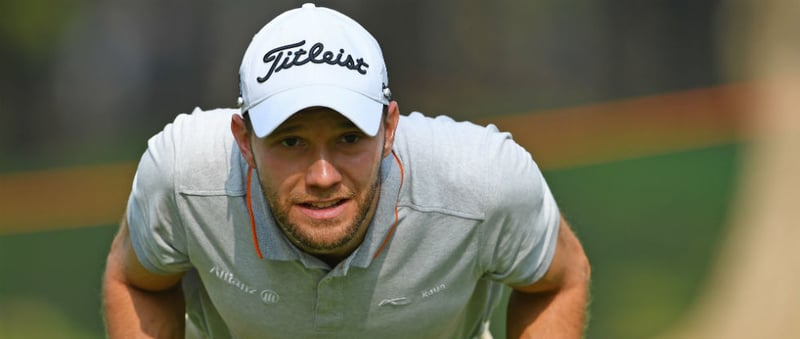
329, 314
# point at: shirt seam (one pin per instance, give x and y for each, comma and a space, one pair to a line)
175, 196
483, 263
445, 211
211, 193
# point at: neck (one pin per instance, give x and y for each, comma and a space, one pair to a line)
332, 260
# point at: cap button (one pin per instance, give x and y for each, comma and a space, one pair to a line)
309, 5
387, 93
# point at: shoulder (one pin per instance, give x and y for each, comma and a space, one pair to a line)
460, 166
199, 127
444, 143
198, 150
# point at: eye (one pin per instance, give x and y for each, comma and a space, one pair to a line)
351, 138
290, 142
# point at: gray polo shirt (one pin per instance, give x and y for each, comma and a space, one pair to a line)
462, 210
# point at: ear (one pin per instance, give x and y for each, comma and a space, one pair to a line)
390, 127
242, 136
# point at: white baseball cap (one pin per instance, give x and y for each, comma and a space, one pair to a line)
313, 56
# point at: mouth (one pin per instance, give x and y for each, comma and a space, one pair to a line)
321, 205
328, 209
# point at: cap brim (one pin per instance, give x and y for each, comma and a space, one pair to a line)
363, 111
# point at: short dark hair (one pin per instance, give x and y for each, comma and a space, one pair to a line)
247, 122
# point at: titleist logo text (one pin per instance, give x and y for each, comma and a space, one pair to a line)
282, 58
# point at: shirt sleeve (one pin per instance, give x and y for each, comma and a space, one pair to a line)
157, 234
522, 217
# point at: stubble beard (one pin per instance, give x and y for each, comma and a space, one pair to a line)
312, 243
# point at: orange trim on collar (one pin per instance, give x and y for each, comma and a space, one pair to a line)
252, 217
396, 214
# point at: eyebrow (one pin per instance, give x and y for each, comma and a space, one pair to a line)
347, 124
285, 129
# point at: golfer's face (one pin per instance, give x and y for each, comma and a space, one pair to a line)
319, 173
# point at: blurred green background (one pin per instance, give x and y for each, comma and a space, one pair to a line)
87, 82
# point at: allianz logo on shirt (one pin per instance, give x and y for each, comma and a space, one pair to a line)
267, 296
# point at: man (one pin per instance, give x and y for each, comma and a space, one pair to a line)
321, 212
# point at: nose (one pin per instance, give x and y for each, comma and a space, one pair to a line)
322, 174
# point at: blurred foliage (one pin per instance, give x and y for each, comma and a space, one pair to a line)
80, 72
32, 28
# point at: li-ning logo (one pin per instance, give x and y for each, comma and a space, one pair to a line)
282, 59
402, 301
434, 290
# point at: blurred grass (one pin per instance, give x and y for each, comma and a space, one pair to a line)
649, 225
50, 283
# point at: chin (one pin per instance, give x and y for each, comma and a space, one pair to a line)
321, 237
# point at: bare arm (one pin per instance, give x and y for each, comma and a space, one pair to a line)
136, 302
554, 306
